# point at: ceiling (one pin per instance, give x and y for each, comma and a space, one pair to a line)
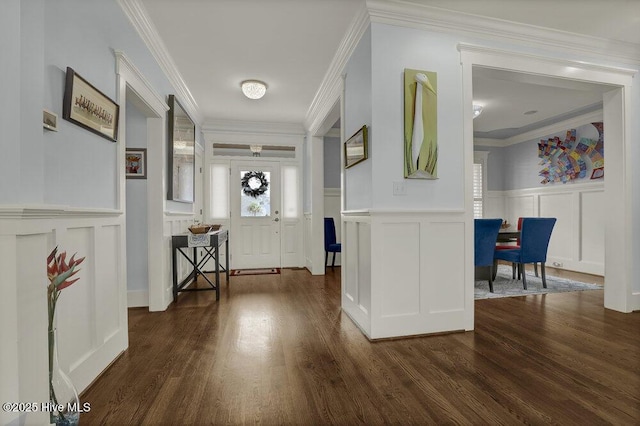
290, 44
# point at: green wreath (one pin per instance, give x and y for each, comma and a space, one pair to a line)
254, 184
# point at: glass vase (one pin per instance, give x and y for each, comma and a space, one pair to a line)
64, 406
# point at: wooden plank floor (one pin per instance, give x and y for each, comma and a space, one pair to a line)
277, 349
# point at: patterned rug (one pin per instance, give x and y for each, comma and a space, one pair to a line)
505, 286
262, 271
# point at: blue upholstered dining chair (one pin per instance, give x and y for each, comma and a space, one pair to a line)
330, 244
485, 236
534, 242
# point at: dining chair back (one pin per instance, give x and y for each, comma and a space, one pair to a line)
330, 244
534, 243
485, 236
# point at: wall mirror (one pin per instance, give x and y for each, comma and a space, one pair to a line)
182, 155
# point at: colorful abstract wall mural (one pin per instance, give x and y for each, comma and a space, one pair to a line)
571, 159
420, 124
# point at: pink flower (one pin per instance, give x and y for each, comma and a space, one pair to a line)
59, 271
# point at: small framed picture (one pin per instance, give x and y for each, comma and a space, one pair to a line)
355, 148
135, 161
49, 120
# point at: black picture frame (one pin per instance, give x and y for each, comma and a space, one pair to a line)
135, 161
355, 148
181, 153
89, 108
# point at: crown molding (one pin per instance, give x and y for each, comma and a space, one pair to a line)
252, 127
488, 142
137, 14
331, 87
405, 14
556, 127
590, 66
560, 126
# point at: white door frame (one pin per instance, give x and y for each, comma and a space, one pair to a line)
133, 84
617, 118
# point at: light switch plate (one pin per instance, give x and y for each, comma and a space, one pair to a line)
399, 188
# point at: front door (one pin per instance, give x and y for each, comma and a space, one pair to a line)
255, 214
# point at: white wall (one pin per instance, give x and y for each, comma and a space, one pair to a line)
358, 112
137, 225
394, 50
61, 188
332, 165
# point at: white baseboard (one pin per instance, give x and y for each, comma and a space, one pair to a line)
137, 298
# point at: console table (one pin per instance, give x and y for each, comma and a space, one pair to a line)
215, 240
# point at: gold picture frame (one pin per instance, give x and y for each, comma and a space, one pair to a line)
355, 148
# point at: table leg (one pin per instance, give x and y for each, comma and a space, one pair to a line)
226, 256
174, 261
217, 256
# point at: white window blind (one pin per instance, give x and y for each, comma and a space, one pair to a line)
290, 192
477, 190
219, 184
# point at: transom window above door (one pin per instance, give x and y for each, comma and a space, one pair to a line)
245, 150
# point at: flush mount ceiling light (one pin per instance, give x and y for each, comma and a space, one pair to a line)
253, 89
477, 110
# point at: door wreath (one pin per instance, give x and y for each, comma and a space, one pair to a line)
254, 184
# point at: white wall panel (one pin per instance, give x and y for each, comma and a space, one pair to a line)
356, 287
77, 305
577, 242
592, 208
494, 205
405, 272
288, 238
32, 320
308, 263
443, 270
364, 267
350, 287
91, 314
519, 206
106, 276
561, 206
401, 251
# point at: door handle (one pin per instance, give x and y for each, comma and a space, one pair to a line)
276, 220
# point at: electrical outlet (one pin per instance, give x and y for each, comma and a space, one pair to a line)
399, 188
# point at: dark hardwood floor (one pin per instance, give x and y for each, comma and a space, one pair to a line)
276, 349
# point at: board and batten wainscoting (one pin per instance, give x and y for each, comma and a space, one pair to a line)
577, 242
91, 315
406, 272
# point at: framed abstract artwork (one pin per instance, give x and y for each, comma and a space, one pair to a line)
420, 124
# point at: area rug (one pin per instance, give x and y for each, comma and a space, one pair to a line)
262, 271
505, 286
